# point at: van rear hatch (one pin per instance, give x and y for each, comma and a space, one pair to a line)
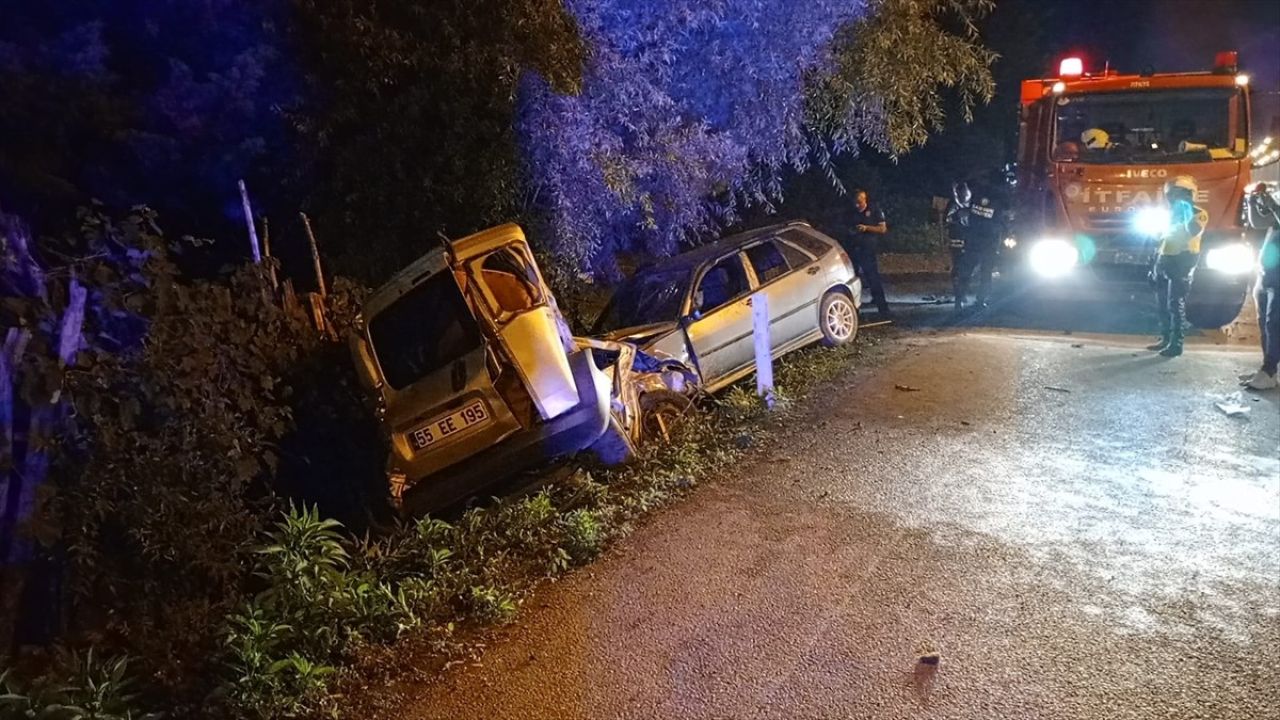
424, 331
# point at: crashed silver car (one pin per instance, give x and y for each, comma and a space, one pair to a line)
696, 306
475, 374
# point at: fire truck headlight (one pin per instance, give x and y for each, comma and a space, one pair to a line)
1053, 257
1151, 221
1233, 259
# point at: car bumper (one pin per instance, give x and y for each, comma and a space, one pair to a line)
564, 435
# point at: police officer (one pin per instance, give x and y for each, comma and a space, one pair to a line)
1263, 209
868, 225
1179, 253
985, 232
957, 221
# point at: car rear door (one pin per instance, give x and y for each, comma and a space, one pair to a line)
719, 328
781, 275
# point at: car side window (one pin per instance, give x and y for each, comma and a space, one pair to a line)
796, 258
767, 261
511, 280
725, 281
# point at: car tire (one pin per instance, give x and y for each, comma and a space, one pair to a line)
837, 319
661, 412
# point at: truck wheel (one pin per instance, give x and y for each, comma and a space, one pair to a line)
661, 413
837, 319
1208, 316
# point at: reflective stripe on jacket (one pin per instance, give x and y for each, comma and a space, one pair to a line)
1186, 228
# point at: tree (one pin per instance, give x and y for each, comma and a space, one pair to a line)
409, 125
689, 111
167, 103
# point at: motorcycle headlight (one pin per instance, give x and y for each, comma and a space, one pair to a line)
1053, 257
1233, 259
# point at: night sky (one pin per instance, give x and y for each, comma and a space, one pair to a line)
1170, 35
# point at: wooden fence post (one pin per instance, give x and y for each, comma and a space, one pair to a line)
315, 254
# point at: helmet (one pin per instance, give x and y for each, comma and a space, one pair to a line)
1095, 139
960, 191
1181, 182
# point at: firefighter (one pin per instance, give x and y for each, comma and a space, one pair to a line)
1179, 253
957, 221
1263, 210
869, 225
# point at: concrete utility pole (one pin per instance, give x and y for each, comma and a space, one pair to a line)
248, 220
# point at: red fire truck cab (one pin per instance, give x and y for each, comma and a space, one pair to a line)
1089, 207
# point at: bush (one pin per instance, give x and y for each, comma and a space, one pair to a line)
582, 534
83, 688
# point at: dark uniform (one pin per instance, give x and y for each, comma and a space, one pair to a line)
1179, 254
957, 220
975, 238
862, 251
1264, 211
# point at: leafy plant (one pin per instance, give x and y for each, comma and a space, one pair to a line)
87, 688
491, 604
583, 533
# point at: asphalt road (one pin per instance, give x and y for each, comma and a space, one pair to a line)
1069, 521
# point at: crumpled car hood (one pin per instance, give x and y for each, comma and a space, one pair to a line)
642, 334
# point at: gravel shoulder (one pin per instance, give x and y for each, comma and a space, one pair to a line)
1070, 523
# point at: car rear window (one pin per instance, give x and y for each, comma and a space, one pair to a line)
816, 247
424, 330
767, 261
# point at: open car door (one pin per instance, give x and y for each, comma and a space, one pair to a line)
497, 273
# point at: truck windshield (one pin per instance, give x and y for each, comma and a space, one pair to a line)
1152, 126
424, 330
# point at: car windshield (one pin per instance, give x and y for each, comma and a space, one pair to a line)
645, 299
1162, 126
424, 330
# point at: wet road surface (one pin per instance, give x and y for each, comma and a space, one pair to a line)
1070, 522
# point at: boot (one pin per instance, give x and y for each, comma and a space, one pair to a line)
1174, 347
1162, 343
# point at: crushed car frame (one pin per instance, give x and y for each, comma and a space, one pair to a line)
476, 376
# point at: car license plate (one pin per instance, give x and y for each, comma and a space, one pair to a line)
469, 416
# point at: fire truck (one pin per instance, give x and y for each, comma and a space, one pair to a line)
1089, 206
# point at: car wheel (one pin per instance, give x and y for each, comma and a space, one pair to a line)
837, 318
661, 413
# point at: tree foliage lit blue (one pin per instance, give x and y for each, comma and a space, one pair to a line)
688, 108
167, 102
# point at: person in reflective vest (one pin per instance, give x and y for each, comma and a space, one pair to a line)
1179, 253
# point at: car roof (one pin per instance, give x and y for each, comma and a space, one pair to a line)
695, 257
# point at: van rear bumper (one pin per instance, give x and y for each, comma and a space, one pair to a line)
564, 435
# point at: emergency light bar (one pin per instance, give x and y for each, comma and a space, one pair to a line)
1071, 67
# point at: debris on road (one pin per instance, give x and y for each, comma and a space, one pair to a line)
1077, 345
1232, 405
906, 388
1055, 388
932, 658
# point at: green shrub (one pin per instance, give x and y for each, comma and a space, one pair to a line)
83, 688
582, 534
491, 604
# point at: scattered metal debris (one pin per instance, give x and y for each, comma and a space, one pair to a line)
1055, 388
1233, 405
906, 388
